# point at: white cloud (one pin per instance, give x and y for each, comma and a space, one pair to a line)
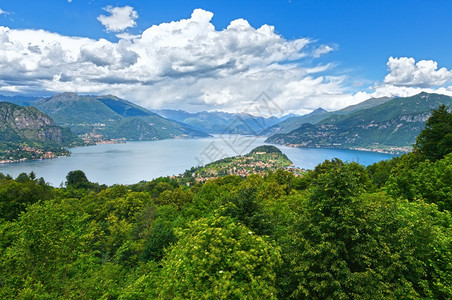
407, 78
323, 49
406, 71
389, 90
186, 64
120, 18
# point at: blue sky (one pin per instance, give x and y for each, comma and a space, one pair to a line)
323, 53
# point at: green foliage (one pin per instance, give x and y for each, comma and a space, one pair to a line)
267, 149
374, 247
435, 141
413, 179
217, 258
246, 204
77, 179
51, 246
16, 195
340, 231
379, 172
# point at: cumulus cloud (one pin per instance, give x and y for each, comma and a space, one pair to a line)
120, 18
407, 78
405, 71
187, 64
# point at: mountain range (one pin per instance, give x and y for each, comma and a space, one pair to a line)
378, 123
318, 115
392, 124
216, 122
109, 117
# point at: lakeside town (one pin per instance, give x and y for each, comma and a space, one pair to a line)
26, 153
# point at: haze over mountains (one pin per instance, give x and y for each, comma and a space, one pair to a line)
215, 122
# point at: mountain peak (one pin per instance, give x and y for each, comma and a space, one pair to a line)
319, 111
65, 95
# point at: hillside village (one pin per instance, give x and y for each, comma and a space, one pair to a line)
260, 160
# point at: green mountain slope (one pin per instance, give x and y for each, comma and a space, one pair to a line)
25, 132
320, 114
369, 103
393, 124
109, 117
71, 109
295, 122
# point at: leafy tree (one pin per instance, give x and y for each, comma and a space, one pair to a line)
245, 205
379, 172
374, 248
176, 197
328, 229
430, 181
156, 230
217, 258
401, 179
435, 141
23, 177
77, 179
15, 196
51, 246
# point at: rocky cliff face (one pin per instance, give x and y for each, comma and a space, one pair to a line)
27, 124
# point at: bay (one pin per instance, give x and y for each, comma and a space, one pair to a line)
135, 161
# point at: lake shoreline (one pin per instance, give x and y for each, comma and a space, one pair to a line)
135, 161
392, 149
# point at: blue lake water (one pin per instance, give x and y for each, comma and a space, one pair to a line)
135, 161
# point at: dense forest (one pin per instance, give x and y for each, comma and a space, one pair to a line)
341, 231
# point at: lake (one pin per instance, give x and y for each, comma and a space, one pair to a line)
135, 161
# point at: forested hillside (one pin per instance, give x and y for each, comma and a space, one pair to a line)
319, 115
342, 231
391, 126
27, 133
109, 117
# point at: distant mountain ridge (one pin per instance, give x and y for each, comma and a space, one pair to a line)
320, 114
215, 122
295, 122
109, 117
395, 123
19, 99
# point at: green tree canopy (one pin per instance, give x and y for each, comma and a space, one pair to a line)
217, 258
435, 141
77, 179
